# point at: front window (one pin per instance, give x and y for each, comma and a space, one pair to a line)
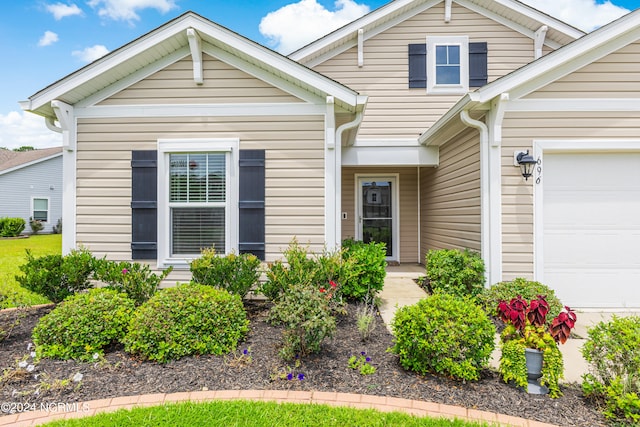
197, 198
447, 65
197, 201
41, 210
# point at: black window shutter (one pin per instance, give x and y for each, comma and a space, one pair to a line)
418, 65
251, 203
144, 201
478, 74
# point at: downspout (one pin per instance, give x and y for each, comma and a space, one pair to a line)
338, 179
485, 224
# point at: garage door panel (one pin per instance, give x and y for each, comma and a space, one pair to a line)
591, 223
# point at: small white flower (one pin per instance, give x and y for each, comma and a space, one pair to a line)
33, 354
77, 377
22, 364
29, 346
35, 377
95, 356
30, 368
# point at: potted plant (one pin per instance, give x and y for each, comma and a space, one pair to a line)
530, 354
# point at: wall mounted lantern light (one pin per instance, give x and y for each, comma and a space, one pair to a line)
526, 163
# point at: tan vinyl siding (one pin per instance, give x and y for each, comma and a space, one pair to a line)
519, 132
614, 76
294, 174
408, 183
450, 197
394, 110
223, 84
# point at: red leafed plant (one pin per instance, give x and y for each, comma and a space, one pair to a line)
528, 316
561, 326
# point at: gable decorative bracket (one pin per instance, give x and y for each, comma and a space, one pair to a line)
447, 10
195, 45
66, 119
538, 40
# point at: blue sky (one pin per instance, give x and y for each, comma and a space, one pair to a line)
44, 40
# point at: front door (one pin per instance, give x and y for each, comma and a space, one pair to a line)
377, 207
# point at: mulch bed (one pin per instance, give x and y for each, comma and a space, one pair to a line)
121, 374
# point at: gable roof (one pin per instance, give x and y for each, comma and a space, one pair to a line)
545, 70
12, 160
170, 42
511, 13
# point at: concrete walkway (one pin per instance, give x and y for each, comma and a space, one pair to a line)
400, 289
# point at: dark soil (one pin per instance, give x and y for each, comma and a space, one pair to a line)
120, 374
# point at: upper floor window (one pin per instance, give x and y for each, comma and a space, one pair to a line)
448, 64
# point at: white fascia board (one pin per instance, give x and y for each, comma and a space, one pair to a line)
556, 64
453, 113
416, 155
283, 64
200, 110
33, 162
508, 23
109, 61
350, 30
541, 17
139, 75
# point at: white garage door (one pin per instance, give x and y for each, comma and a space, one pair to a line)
591, 214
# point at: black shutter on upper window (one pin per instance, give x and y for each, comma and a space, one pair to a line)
418, 65
478, 74
144, 201
251, 202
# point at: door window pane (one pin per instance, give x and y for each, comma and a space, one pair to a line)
377, 221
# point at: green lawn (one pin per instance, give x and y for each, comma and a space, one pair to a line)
13, 255
245, 413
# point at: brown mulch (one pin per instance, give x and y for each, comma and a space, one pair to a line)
120, 374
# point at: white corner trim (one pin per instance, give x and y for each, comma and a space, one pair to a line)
360, 47
540, 147
538, 41
195, 46
69, 204
447, 11
331, 171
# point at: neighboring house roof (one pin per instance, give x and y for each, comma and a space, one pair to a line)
511, 13
169, 43
545, 70
12, 160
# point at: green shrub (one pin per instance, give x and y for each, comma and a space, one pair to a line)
55, 276
613, 353
529, 290
455, 272
306, 314
304, 269
11, 227
234, 273
36, 225
367, 262
443, 334
57, 229
83, 325
134, 279
187, 320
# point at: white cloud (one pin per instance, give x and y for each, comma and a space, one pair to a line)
18, 128
90, 54
48, 38
296, 24
126, 10
586, 15
61, 10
